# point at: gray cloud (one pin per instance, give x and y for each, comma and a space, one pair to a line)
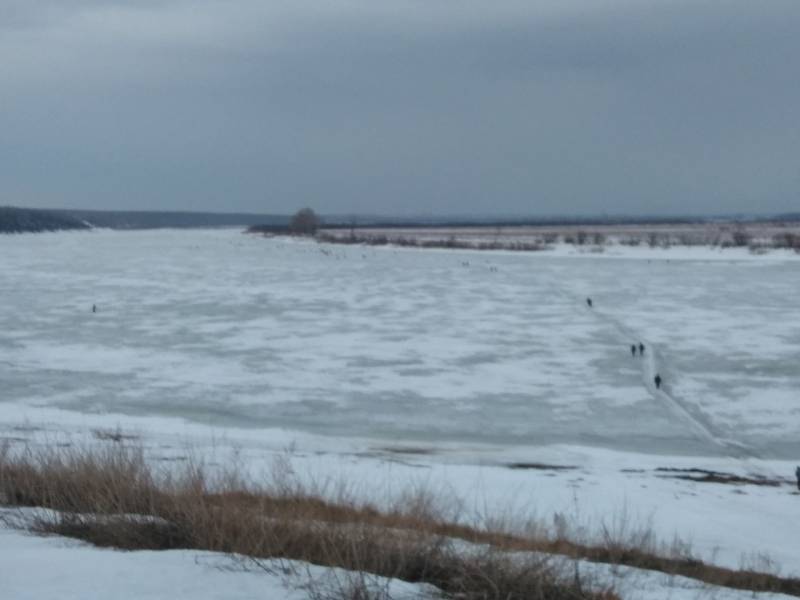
406, 107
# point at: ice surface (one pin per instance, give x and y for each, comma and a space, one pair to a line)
228, 329
389, 368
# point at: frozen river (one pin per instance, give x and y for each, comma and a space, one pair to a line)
406, 345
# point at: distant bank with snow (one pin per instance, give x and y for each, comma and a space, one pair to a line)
755, 237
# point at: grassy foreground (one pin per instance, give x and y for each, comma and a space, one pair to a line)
111, 496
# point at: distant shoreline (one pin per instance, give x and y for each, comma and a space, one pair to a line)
756, 237
494, 232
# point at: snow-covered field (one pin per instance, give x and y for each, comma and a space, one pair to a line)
390, 367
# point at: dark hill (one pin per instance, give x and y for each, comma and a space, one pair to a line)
120, 219
30, 220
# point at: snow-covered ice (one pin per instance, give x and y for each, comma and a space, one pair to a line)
390, 366
224, 328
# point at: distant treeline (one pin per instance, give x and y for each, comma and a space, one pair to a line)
18, 220
28, 220
114, 219
356, 223
450, 242
444, 223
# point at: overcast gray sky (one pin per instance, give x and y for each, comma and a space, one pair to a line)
401, 106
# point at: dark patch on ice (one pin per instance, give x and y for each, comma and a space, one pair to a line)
418, 371
478, 358
540, 466
26, 428
418, 450
11, 439
366, 361
707, 476
173, 458
113, 435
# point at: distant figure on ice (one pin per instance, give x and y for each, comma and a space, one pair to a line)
797, 474
633, 349
94, 308
657, 381
641, 349
589, 302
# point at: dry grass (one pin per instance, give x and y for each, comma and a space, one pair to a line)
111, 496
759, 237
450, 242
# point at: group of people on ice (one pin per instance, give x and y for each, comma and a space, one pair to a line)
657, 380
640, 347
634, 347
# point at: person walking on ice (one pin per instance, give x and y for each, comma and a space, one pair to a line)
641, 349
657, 381
633, 349
589, 302
797, 474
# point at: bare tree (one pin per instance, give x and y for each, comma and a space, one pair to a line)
740, 236
304, 222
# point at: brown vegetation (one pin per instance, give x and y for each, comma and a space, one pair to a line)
412, 242
112, 497
758, 237
304, 222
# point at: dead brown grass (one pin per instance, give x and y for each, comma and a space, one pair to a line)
450, 242
111, 496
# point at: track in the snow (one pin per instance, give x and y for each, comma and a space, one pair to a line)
650, 367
